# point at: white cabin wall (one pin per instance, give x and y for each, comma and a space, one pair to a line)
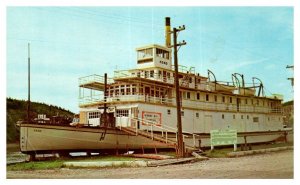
187, 120
198, 125
169, 120
209, 120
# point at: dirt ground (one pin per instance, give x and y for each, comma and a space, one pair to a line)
276, 165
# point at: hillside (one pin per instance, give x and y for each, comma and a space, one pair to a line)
17, 110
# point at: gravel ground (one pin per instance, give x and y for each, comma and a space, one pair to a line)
275, 165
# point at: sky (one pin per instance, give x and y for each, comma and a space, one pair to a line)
70, 42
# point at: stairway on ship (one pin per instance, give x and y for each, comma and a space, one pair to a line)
151, 136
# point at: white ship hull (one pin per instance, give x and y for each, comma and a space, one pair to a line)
48, 138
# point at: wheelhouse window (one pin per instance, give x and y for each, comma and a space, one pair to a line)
162, 53
145, 53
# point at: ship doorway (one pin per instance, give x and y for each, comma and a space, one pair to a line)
111, 119
208, 124
94, 118
122, 117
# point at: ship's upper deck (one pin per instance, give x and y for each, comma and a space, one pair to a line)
155, 71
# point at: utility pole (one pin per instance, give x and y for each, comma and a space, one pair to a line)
28, 101
105, 96
180, 143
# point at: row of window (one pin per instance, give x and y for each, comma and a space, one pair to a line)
122, 113
255, 119
152, 73
132, 90
149, 53
92, 115
208, 97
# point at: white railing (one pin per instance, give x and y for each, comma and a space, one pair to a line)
93, 99
93, 78
164, 129
123, 98
228, 107
123, 74
141, 74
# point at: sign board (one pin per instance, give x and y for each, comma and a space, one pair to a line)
153, 117
223, 137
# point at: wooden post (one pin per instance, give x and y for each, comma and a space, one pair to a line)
105, 96
28, 101
178, 105
245, 145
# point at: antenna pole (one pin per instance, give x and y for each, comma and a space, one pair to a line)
105, 96
28, 101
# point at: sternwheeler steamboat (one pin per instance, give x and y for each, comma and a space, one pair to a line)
136, 109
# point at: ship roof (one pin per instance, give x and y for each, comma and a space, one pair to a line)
153, 46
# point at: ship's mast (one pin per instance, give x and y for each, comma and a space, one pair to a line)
28, 101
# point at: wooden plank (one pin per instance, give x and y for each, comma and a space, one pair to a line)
170, 161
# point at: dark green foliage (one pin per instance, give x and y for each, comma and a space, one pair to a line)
17, 110
288, 103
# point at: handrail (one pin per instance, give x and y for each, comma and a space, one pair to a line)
167, 129
93, 78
